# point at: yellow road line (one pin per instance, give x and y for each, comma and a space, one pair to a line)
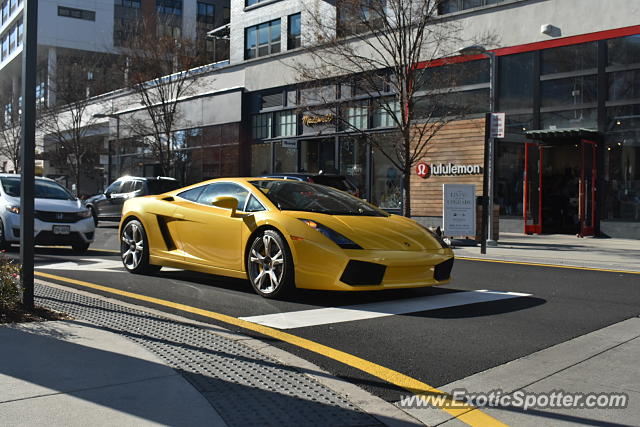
465, 413
570, 267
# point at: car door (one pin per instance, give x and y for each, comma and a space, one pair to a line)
208, 234
105, 205
118, 199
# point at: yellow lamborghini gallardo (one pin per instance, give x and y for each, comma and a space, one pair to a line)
280, 234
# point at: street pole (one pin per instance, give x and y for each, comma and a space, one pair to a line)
489, 165
485, 185
28, 148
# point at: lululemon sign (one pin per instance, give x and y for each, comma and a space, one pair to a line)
423, 170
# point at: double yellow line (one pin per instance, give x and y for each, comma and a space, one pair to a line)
465, 413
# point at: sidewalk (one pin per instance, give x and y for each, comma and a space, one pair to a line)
117, 364
558, 249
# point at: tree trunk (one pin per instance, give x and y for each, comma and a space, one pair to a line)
406, 193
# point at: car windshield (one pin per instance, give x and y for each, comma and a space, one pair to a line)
44, 189
304, 196
159, 186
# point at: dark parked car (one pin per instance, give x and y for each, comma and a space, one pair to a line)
108, 205
330, 180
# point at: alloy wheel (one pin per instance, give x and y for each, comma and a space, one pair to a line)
132, 245
266, 264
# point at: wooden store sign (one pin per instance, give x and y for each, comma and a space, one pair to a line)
425, 170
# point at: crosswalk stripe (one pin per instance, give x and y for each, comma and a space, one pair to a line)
324, 316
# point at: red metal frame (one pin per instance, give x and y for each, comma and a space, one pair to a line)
547, 44
588, 230
532, 228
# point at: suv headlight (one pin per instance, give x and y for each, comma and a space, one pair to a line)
13, 209
333, 235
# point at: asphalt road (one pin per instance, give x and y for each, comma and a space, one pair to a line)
434, 346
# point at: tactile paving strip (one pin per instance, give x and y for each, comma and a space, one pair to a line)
244, 386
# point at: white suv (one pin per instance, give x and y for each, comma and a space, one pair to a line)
60, 218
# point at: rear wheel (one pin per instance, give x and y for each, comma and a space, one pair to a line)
134, 249
270, 265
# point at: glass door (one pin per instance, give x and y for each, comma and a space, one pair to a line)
587, 188
532, 206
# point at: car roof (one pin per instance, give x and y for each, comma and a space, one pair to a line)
17, 175
147, 178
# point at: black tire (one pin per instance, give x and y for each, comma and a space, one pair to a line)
270, 268
80, 248
4, 245
134, 249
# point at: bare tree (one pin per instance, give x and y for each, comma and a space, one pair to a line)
159, 65
383, 49
68, 125
10, 133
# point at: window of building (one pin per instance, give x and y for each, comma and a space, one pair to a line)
387, 179
13, 35
624, 85
260, 159
515, 90
294, 32
383, 116
128, 3
286, 123
20, 32
68, 12
126, 21
263, 39
271, 100
579, 57
360, 16
40, 93
5, 10
286, 158
261, 125
248, 3
8, 116
569, 91
451, 6
624, 51
580, 118
169, 7
357, 116
206, 13
5, 46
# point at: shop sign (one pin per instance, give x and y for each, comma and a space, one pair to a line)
324, 119
354, 170
459, 209
497, 125
424, 170
290, 143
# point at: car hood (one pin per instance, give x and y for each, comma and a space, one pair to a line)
395, 233
51, 205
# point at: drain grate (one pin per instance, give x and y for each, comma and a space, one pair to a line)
244, 386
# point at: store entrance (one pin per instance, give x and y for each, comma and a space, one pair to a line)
560, 187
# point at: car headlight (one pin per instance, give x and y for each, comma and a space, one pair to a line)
85, 213
13, 209
333, 235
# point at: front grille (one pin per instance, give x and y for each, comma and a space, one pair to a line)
361, 273
442, 271
48, 238
63, 217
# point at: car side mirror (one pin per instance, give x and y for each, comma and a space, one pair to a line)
107, 194
226, 202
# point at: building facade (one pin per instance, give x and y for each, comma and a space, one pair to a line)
568, 80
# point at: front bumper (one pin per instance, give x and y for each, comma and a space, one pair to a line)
80, 232
318, 267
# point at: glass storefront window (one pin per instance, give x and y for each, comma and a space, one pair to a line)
624, 51
286, 123
515, 90
318, 155
509, 178
382, 117
622, 164
353, 163
519, 123
585, 118
260, 159
357, 116
569, 58
286, 158
386, 183
571, 91
261, 126
454, 75
624, 85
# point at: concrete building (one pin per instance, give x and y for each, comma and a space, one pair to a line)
568, 79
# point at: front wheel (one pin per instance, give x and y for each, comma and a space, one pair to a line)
270, 265
134, 249
80, 248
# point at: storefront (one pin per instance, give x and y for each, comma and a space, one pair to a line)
569, 163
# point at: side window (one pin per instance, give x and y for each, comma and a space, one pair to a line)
114, 188
220, 189
191, 195
137, 185
254, 205
127, 187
